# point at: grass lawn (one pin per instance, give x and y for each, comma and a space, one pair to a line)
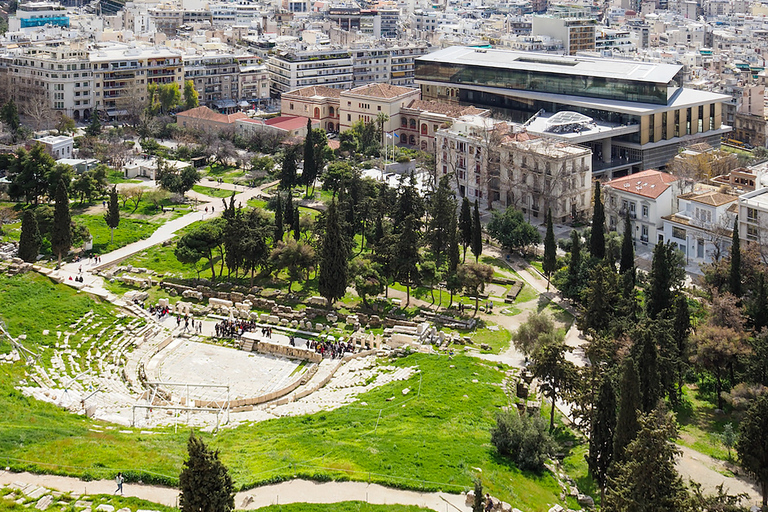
432, 438
116, 177
700, 426
498, 340
129, 231
257, 203
212, 192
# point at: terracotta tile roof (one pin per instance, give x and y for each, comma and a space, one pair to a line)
520, 137
386, 91
316, 90
204, 113
710, 197
648, 183
447, 109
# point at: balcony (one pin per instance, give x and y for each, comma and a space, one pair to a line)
632, 214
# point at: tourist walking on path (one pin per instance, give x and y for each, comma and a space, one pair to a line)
119, 481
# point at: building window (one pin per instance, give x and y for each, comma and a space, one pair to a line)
752, 233
752, 214
645, 211
349, 117
678, 233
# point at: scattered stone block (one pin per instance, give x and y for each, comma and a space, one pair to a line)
44, 502
105, 508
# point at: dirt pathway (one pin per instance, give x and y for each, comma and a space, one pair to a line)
696, 466
292, 491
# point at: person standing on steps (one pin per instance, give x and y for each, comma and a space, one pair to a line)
119, 481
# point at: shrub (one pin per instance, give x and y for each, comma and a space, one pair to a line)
523, 438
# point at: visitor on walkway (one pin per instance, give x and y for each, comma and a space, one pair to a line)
119, 481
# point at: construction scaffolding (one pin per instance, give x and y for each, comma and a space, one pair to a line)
222, 406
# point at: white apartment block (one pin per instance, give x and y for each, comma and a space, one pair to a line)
390, 64
296, 69
216, 77
253, 79
753, 217
59, 75
121, 74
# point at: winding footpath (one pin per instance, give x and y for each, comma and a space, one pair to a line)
293, 491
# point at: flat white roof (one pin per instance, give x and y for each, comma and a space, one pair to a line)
546, 63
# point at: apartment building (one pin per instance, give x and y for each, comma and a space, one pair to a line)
121, 74
753, 217
38, 14
253, 79
296, 69
576, 33
392, 64
59, 75
498, 167
216, 77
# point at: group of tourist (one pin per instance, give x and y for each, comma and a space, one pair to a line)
234, 328
331, 348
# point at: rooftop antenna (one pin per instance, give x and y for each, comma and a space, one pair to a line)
29, 356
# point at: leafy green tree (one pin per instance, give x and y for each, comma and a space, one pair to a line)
442, 209
61, 230
523, 438
94, 127
367, 278
30, 240
477, 233
32, 175
191, 98
597, 236
550, 366
529, 337
602, 433
734, 275
169, 96
408, 257
293, 256
174, 180
257, 229
112, 217
646, 478
232, 233
310, 172
430, 275
600, 299
716, 348
205, 483
474, 277
465, 226
629, 401
680, 334
65, 124
757, 307
53, 173
627, 262
10, 116
752, 445
338, 176
511, 229
200, 241
332, 281
728, 438
550, 249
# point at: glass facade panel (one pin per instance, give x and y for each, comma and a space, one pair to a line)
546, 82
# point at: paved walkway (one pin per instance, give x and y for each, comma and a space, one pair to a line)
86, 268
293, 491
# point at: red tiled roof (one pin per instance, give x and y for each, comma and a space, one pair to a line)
386, 91
316, 90
206, 114
287, 122
648, 183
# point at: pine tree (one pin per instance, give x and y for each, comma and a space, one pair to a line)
205, 483
465, 226
597, 237
332, 279
112, 217
29, 243
309, 174
734, 276
94, 127
602, 434
627, 261
550, 249
629, 400
61, 230
477, 233
646, 478
279, 232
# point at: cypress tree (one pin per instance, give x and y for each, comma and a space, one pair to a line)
597, 237
465, 225
574, 266
658, 295
453, 245
279, 218
295, 223
601, 437
205, 483
648, 370
112, 217
288, 169
332, 278
734, 277
61, 230
378, 233
477, 233
30, 241
758, 310
310, 165
288, 210
627, 261
629, 400
550, 249
681, 330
